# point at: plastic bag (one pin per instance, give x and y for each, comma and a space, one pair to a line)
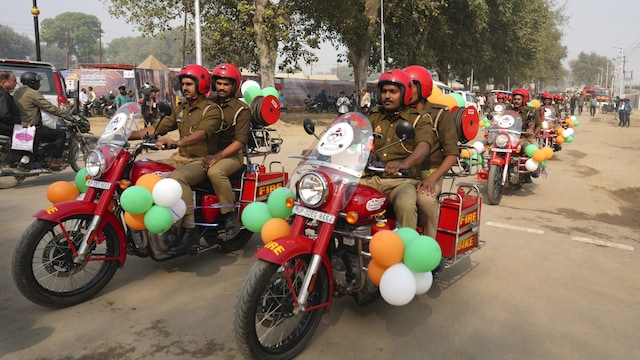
49, 120
23, 138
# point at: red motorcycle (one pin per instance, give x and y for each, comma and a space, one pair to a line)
550, 122
72, 249
506, 166
326, 255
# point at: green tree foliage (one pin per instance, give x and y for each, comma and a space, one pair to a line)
587, 68
167, 47
14, 45
78, 33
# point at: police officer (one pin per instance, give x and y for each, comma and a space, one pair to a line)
443, 152
531, 122
395, 90
231, 137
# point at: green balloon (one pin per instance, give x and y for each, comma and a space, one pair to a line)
250, 93
407, 234
459, 99
255, 215
530, 149
158, 219
542, 163
576, 123
81, 180
476, 159
530, 104
277, 202
422, 254
569, 139
270, 90
136, 199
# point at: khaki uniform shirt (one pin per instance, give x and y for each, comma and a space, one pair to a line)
236, 119
524, 112
385, 125
446, 136
30, 102
204, 115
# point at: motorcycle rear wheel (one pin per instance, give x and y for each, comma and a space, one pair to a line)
237, 242
78, 153
494, 186
604, 110
43, 267
265, 325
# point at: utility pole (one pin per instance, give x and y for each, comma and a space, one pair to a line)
100, 41
67, 50
621, 78
35, 12
381, 36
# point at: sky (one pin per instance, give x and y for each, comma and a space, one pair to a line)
592, 26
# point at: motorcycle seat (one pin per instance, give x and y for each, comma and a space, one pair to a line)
206, 186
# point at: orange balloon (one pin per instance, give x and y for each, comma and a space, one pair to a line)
539, 155
464, 153
559, 139
434, 93
135, 222
446, 100
375, 271
548, 152
148, 181
273, 229
61, 191
536, 103
386, 247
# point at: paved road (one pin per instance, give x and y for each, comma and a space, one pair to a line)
557, 280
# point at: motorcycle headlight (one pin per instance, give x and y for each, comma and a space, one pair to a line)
502, 140
95, 163
312, 189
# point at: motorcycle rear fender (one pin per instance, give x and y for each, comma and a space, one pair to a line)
59, 211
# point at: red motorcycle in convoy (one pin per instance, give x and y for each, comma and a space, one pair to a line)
72, 249
548, 136
326, 255
506, 166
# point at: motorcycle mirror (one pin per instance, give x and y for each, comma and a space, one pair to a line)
308, 126
164, 108
405, 130
490, 116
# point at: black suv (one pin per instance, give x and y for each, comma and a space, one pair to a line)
52, 84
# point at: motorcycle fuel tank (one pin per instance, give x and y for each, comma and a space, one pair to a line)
367, 202
143, 167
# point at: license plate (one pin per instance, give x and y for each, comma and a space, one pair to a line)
99, 184
501, 150
314, 214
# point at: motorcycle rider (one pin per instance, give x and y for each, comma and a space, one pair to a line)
9, 113
394, 95
30, 102
443, 152
531, 122
500, 100
231, 138
196, 119
547, 100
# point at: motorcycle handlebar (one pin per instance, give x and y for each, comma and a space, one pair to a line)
402, 172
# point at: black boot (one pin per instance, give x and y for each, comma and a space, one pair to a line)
189, 237
231, 226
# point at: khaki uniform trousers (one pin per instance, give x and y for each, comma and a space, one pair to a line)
429, 208
186, 173
403, 196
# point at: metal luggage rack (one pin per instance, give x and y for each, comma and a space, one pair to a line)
263, 142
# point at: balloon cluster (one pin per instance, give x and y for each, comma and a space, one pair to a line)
61, 191
485, 123
537, 157
566, 135
453, 100
153, 203
473, 154
251, 90
269, 218
401, 264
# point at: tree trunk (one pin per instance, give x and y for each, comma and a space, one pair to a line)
267, 49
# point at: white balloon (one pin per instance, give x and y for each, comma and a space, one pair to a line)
545, 124
479, 146
247, 84
573, 118
398, 285
531, 165
567, 132
178, 210
167, 192
424, 280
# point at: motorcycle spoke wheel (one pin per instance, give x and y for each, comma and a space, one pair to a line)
494, 185
266, 325
78, 154
43, 263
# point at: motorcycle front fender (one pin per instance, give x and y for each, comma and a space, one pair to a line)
497, 161
283, 249
59, 211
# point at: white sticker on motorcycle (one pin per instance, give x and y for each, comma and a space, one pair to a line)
335, 140
506, 121
115, 124
375, 204
498, 108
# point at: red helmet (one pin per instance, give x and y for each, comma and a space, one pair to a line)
199, 74
228, 71
501, 96
522, 92
546, 95
558, 98
422, 78
399, 78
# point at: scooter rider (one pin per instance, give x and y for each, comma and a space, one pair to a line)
443, 152
394, 95
30, 102
196, 120
231, 137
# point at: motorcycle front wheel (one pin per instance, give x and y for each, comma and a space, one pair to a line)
604, 110
494, 185
266, 326
43, 266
